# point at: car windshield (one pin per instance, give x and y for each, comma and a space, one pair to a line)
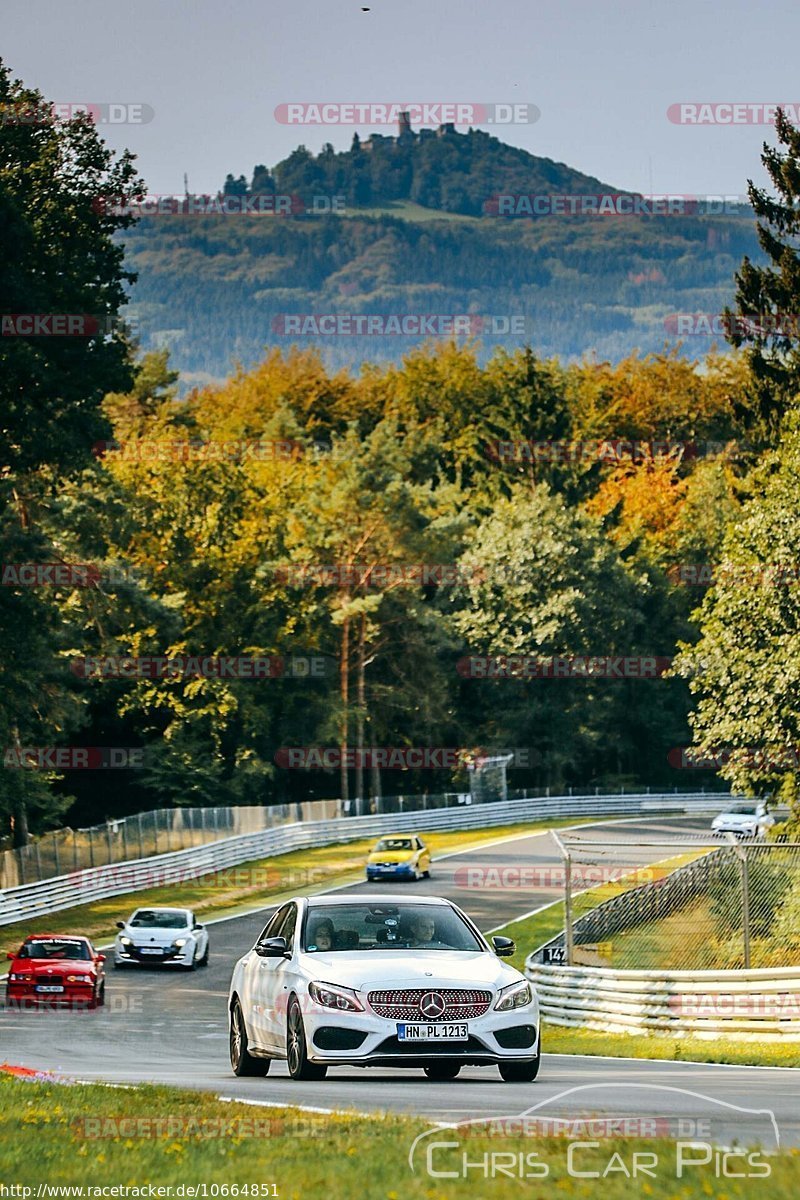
378, 926
744, 810
394, 844
55, 948
165, 918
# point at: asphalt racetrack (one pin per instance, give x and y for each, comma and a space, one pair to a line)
165, 1027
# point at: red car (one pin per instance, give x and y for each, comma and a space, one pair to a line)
56, 969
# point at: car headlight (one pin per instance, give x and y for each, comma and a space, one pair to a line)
125, 941
79, 979
516, 995
20, 977
331, 996
179, 943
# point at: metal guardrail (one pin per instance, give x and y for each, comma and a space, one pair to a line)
82, 887
164, 830
756, 1005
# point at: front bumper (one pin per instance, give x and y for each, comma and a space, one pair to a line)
396, 871
73, 996
369, 1040
170, 957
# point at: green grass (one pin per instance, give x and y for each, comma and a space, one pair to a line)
251, 884
406, 210
559, 1040
48, 1134
531, 932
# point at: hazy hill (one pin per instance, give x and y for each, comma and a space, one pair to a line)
411, 239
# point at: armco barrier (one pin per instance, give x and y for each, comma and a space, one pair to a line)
97, 883
756, 1005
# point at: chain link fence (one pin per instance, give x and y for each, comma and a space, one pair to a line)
167, 829
700, 903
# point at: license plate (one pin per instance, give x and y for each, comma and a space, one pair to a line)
432, 1033
49, 987
147, 950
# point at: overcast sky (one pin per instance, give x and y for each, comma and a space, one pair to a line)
602, 74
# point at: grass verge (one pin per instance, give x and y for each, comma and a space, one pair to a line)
559, 1040
99, 1137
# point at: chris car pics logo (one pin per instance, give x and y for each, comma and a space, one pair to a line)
607, 1131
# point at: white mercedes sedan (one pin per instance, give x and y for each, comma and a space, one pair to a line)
380, 981
169, 936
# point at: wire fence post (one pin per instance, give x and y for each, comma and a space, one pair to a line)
569, 948
741, 853
110, 844
56, 857
141, 844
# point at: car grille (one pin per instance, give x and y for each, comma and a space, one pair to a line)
404, 1004
48, 979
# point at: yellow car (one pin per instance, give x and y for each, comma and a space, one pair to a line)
403, 856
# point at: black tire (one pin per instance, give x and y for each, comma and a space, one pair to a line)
442, 1070
242, 1061
203, 962
521, 1072
296, 1053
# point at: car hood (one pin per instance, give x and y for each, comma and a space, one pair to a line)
391, 856
142, 935
365, 969
736, 819
53, 966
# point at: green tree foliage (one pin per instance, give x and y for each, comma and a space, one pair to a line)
768, 296
59, 258
744, 672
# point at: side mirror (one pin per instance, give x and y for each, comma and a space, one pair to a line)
504, 947
11, 954
100, 958
120, 924
197, 925
274, 947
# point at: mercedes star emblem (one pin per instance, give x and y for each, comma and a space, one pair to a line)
432, 1005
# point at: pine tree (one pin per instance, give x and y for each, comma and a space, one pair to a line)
768, 298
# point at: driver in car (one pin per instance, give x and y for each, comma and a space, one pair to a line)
323, 936
422, 930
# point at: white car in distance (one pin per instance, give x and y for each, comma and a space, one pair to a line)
387, 982
169, 936
744, 819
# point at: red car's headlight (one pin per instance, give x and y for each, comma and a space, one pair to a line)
20, 977
329, 995
80, 979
